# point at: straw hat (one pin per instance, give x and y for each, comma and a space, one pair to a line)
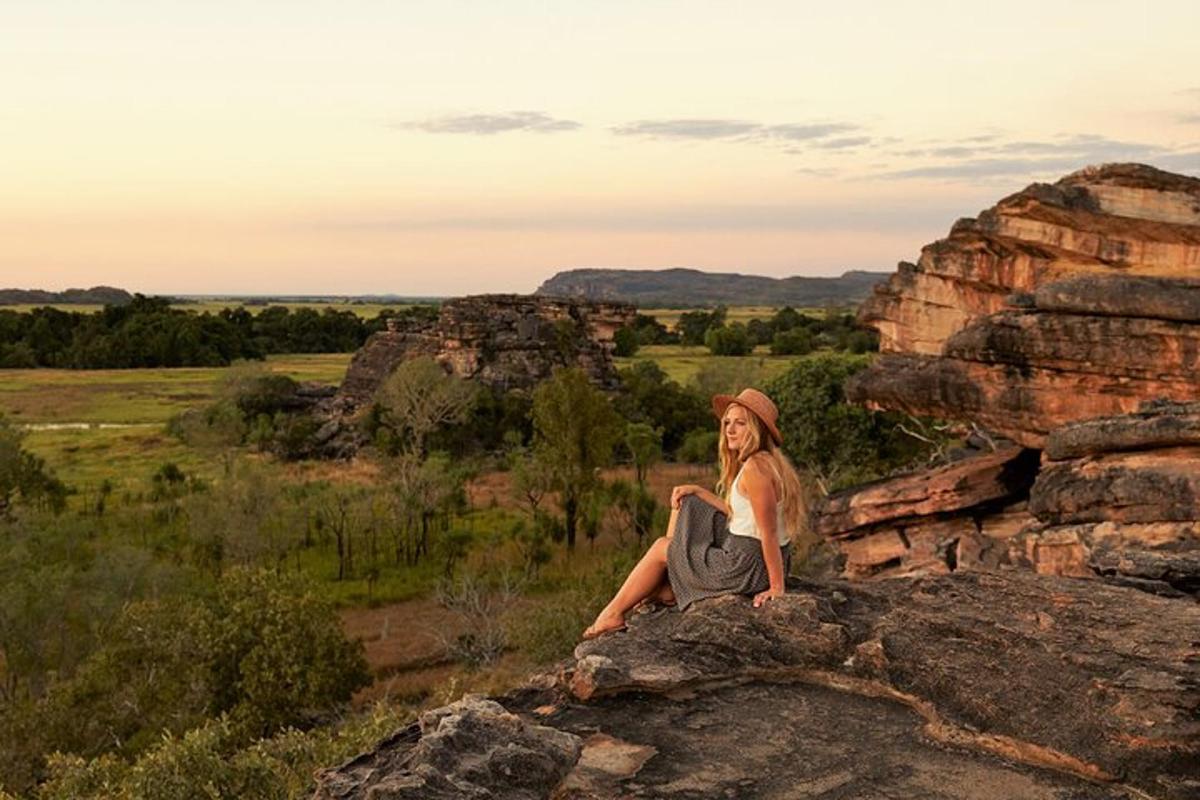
757, 402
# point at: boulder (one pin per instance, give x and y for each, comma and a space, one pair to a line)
471, 749
988, 660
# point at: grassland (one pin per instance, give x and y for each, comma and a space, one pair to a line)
682, 364
97, 425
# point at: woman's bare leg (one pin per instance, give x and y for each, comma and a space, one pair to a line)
644, 580
671, 522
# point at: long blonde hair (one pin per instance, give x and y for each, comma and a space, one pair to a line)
788, 488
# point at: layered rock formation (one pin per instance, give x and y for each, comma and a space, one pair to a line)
867, 690
1063, 302
1067, 318
503, 341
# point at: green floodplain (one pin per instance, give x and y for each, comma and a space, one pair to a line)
428, 574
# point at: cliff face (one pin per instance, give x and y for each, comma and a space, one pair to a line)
1093, 356
1062, 302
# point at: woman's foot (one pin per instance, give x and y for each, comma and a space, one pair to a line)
605, 623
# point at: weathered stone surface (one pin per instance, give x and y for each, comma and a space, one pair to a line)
794, 741
471, 749
1004, 475
1153, 425
1159, 557
1022, 402
504, 341
1123, 296
1160, 485
989, 660
1124, 219
1061, 303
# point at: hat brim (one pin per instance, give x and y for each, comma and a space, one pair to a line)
720, 402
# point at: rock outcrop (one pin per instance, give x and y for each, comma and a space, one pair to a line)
1067, 319
1062, 302
872, 690
503, 341
471, 749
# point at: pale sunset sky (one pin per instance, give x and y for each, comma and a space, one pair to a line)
446, 148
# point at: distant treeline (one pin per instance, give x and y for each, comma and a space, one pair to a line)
97, 295
147, 332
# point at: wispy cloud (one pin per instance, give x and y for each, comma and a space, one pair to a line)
689, 129
489, 124
844, 143
787, 134
1001, 159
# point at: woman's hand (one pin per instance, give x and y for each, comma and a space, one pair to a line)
680, 492
763, 597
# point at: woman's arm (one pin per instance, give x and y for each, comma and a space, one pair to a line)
760, 490
679, 492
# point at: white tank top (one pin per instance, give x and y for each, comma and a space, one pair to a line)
742, 523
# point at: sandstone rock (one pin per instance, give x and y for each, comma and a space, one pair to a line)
1123, 296
504, 341
471, 749
1003, 475
1153, 425
988, 660
931, 522
1161, 485
1122, 219
1023, 402
1061, 303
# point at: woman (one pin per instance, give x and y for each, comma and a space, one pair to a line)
738, 542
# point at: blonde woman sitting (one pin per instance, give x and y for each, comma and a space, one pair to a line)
734, 542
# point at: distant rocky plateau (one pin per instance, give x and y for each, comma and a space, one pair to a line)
1019, 621
97, 295
676, 288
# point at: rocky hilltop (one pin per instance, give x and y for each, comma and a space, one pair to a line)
502, 341
690, 287
1018, 622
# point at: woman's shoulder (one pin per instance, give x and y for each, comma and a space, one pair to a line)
757, 470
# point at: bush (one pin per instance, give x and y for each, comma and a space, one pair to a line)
729, 340
842, 444
699, 447
650, 397
793, 342
625, 342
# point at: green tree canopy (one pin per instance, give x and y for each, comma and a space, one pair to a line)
575, 430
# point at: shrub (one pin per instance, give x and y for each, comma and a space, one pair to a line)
729, 340
793, 342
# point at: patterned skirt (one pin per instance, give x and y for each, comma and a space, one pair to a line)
704, 559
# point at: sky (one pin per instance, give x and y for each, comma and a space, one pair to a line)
453, 147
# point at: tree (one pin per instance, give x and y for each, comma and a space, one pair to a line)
792, 342
24, 477
575, 430
840, 443
418, 397
650, 397
693, 325
625, 342
729, 340
645, 445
